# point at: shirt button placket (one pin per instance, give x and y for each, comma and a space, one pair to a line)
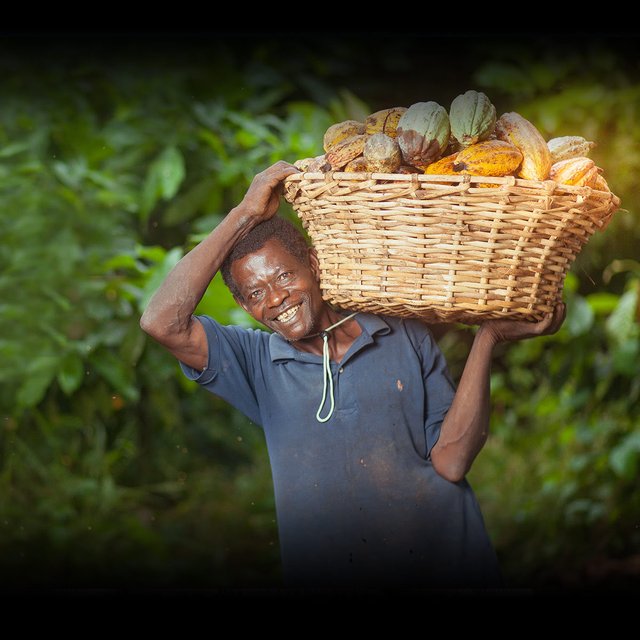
338, 384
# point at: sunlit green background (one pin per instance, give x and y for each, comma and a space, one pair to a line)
117, 153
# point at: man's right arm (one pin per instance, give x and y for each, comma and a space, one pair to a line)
168, 317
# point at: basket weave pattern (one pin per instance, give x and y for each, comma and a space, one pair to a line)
445, 248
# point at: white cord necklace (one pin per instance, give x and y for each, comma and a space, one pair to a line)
326, 371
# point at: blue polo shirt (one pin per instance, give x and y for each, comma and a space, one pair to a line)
358, 501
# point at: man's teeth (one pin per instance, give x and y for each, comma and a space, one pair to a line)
288, 314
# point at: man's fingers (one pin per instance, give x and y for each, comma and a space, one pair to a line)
274, 176
552, 322
559, 316
542, 326
280, 170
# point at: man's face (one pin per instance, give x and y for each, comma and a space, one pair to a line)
280, 291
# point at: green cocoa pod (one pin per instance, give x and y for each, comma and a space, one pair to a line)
472, 117
423, 133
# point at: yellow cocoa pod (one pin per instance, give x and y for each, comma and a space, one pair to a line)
565, 147
444, 166
489, 158
536, 162
319, 165
384, 121
303, 163
357, 165
382, 153
581, 172
340, 131
600, 183
313, 165
345, 151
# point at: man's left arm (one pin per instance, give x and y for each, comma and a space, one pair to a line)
465, 428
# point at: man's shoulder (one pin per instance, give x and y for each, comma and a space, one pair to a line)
399, 333
412, 327
233, 331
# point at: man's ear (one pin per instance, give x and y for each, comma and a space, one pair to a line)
314, 263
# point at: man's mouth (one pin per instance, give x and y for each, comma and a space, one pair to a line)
285, 316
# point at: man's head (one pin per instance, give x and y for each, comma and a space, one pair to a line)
273, 274
275, 228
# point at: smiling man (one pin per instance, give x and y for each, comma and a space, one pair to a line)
368, 438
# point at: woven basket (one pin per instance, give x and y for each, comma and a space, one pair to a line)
445, 248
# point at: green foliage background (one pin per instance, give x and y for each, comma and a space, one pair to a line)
117, 156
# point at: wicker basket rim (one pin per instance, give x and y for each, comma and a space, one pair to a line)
548, 186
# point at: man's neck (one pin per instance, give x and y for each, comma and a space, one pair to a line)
341, 334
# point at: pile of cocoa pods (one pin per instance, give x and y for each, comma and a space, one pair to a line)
469, 138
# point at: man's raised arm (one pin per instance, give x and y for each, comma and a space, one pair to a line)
465, 428
168, 317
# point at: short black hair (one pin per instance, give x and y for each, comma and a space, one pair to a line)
276, 228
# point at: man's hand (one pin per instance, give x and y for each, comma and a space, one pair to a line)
262, 199
507, 330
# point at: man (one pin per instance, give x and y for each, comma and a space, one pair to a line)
368, 440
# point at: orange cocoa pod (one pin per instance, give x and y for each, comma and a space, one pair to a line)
581, 172
444, 166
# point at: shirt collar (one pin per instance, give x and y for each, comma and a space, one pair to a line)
370, 324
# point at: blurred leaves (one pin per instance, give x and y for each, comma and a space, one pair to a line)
113, 469
558, 478
158, 274
107, 456
164, 177
625, 457
70, 373
579, 317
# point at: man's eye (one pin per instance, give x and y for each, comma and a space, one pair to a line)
255, 295
284, 275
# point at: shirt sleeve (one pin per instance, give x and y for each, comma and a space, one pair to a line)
439, 389
231, 366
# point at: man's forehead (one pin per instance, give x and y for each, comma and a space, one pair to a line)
273, 251
274, 246
264, 261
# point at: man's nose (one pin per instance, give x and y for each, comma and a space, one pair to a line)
276, 296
